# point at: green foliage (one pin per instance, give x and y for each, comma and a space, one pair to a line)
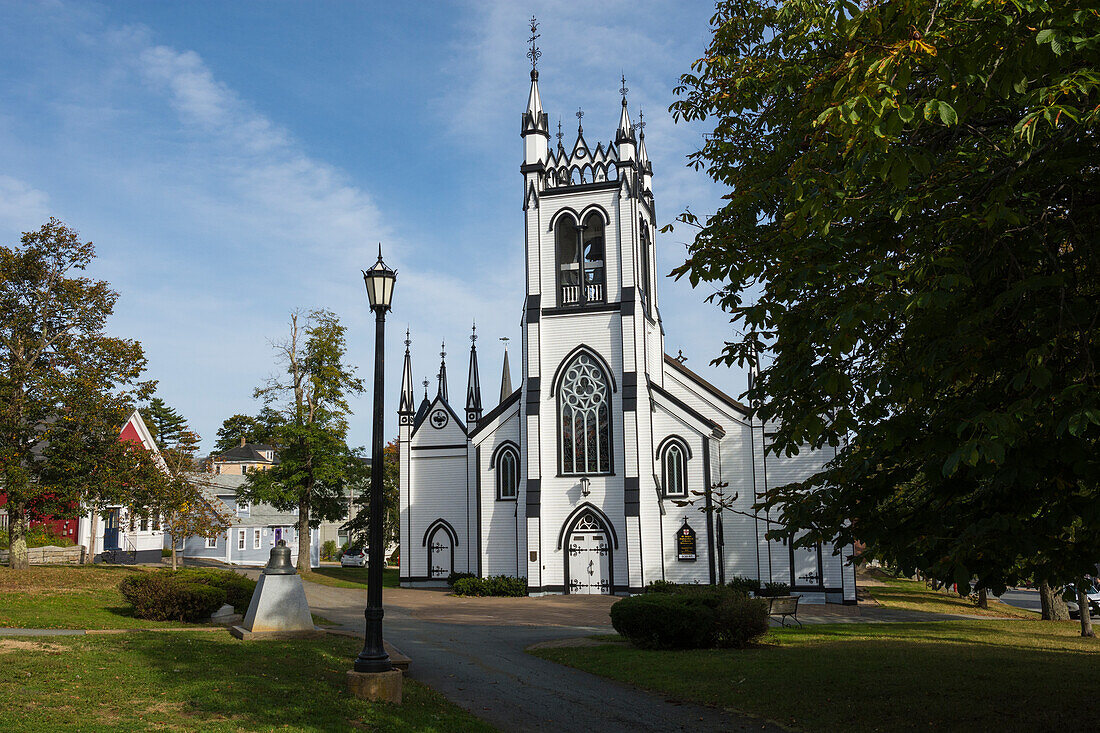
745, 585
910, 234
329, 550
166, 425
771, 590
703, 618
38, 536
160, 596
316, 463
65, 385
359, 525
662, 586
238, 589
453, 577
495, 585
258, 429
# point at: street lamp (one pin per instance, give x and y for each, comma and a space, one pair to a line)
379, 280
585, 491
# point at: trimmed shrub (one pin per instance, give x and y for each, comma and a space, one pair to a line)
708, 617
470, 586
329, 550
165, 552
745, 585
770, 590
496, 585
238, 589
454, 577
662, 586
160, 596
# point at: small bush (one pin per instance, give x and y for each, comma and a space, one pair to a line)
165, 552
161, 596
745, 585
662, 586
238, 589
708, 617
496, 585
329, 550
771, 590
454, 577
470, 587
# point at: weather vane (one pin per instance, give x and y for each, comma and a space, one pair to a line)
623, 90
505, 339
580, 115
534, 53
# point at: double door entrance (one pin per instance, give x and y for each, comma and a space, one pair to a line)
588, 560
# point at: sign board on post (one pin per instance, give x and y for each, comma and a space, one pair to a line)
685, 542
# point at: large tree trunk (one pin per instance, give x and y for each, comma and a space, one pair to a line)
983, 598
18, 558
1083, 605
175, 565
303, 536
1054, 607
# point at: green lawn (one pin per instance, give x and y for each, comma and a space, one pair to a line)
956, 675
915, 596
349, 577
196, 681
69, 597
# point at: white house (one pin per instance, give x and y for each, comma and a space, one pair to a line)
571, 480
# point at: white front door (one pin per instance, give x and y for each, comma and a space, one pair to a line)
589, 559
439, 555
806, 566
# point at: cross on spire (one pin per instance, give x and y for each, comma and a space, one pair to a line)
640, 124
623, 90
408, 342
473, 333
560, 135
534, 53
425, 383
443, 350
580, 115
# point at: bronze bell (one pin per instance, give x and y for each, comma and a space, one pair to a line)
279, 562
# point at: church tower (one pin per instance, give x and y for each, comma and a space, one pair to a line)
592, 343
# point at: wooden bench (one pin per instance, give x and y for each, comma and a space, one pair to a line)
784, 607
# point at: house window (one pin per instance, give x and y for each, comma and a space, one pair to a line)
242, 506
240, 539
674, 457
143, 525
507, 474
156, 522
584, 417
211, 543
255, 539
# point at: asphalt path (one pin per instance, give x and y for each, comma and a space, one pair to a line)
1022, 598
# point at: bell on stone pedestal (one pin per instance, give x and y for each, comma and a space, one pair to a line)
279, 562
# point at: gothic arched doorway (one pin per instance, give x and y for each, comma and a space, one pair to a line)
588, 556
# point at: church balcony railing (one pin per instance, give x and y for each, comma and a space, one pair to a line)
571, 294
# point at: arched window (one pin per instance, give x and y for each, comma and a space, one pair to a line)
643, 257
507, 475
569, 266
584, 400
674, 467
594, 258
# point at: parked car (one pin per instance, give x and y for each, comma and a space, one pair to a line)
1094, 601
354, 557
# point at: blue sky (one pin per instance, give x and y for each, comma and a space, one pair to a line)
233, 161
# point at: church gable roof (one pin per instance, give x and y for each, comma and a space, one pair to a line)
493, 415
454, 428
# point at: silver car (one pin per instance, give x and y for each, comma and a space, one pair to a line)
354, 558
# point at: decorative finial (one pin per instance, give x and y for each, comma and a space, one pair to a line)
443, 350
505, 339
379, 251
534, 53
623, 90
640, 124
473, 334
425, 383
580, 114
407, 341
560, 135
680, 356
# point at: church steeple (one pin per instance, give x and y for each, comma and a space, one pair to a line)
625, 134
473, 383
505, 375
443, 372
406, 406
535, 128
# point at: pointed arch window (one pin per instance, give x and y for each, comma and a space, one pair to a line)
643, 256
584, 400
594, 258
580, 258
674, 458
507, 475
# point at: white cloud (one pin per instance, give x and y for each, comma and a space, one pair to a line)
22, 207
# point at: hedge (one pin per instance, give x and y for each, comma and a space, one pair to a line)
702, 618
496, 585
192, 594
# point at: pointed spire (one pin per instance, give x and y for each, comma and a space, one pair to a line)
442, 372
473, 382
580, 144
406, 406
505, 375
625, 133
643, 157
560, 135
534, 119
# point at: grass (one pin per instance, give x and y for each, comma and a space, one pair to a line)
193, 681
911, 595
69, 597
349, 577
956, 675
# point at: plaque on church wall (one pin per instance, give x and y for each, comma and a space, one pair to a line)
685, 543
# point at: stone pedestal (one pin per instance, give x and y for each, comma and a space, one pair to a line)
278, 609
376, 686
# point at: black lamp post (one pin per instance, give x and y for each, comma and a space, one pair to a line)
379, 281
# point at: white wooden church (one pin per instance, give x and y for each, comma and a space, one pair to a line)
571, 480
